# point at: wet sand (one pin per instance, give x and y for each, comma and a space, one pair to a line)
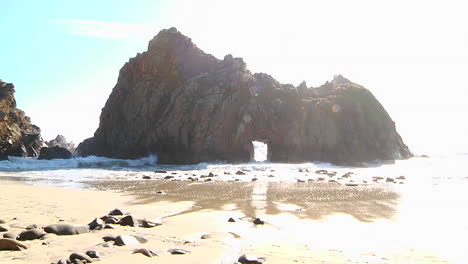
304, 222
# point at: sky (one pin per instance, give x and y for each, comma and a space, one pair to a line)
64, 56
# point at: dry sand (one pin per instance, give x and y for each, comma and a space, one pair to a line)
320, 225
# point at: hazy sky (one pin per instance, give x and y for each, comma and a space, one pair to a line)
413, 55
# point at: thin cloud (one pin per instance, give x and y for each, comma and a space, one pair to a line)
105, 29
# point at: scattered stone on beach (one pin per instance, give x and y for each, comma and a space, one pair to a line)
168, 177
401, 178
332, 174
146, 177
108, 227
206, 236
254, 179
96, 224
207, 180
4, 228
31, 226
211, 174
63, 261
2, 221
321, 179
161, 192
108, 219
271, 176
93, 254
377, 178
149, 224
347, 175
300, 170
108, 238
351, 184
258, 221
250, 259
45, 243
10, 235
66, 229
144, 251
227, 173
231, 220
321, 171
192, 178
140, 239
31, 234
160, 171
81, 257
178, 251
128, 221
240, 173
389, 179
11, 244
116, 212
299, 180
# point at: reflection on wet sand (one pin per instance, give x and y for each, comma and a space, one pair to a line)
310, 200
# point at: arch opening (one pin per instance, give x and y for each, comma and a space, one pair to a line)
260, 151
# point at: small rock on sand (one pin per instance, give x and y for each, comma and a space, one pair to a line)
2, 221
66, 229
178, 251
10, 235
401, 178
160, 171
31, 226
4, 228
128, 221
250, 259
116, 212
144, 251
146, 177
240, 173
81, 257
231, 220
258, 221
11, 244
31, 234
129, 240
93, 254
108, 238
390, 180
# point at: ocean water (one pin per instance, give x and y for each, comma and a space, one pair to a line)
428, 215
419, 171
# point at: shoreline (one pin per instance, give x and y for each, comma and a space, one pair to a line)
292, 233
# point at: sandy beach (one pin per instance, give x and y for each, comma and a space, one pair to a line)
337, 230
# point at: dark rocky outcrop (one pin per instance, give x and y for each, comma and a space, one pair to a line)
48, 153
18, 137
61, 141
188, 107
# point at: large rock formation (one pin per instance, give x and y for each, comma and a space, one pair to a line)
18, 137
188, 107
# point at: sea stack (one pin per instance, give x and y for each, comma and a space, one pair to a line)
18, 137
187, 106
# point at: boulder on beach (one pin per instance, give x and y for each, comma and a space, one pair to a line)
11, 244
31, 234
66, 229
187, 106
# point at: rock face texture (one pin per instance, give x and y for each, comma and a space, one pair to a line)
18, 137
186, 106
